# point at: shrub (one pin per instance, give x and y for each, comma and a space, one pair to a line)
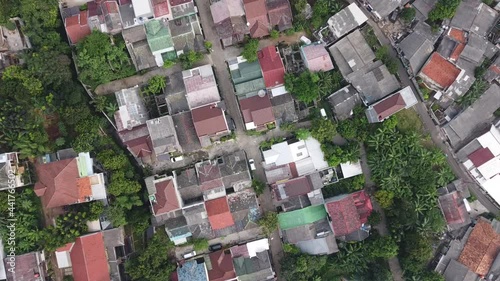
275, 34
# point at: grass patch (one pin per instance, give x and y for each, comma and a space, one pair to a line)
408, 121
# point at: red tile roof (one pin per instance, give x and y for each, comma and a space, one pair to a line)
272, 67
256, 14
481, 156
166, 197
222, 266
457, 34
139, 147
481, 248
88, 258
57, 183
258, 110
458, 50
209, 120
218, 213
77, 27
110, 7
453, 208
293, 187
389, 106
160, 8
348, 213
441, 71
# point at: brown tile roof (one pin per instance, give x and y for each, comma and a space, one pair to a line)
453, 208
258, 110
256, 14
280, 13
218, 213
209, 120
58, 182
222, 266
349, 212
293, 187
77, 27
441, 71
166, 197
481, 248
389, 106
481, 156
84, 188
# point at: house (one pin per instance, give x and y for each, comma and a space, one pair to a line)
344, 101
209, 122
346, 21
284, 108
163, 137
201, 87
12, 173
352, 53
423, 8
382, 9
69, 181
481, 158
163, 193
385, 108
127, 14
218, 213
246, 76
27, 267
138, 143
11, 43
454, 209
193, 270
186, 131
160, 41
301, 217
257, 112
349, 215
316, 58
86, 257
77, 27
245, 210
112, 18
474, 119
313, 238
138, 48
161, 9
374, 82
453, 44
117, 251
252, 261
186, 34
493, 72
272, 66
132, 111
143, 10
438, 73
229, 21
418, 45
220, 267
280, 14
257, 21
182, 8
474, 16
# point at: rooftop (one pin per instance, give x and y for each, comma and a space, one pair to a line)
28, 267
272, 66
379, 111
280, 14
454, 210
284, 108
88, 258
344, 101
439, 71
218, 213
257, 111
256, 14
186, 131
417, 49
346, 20
201, 87
374, 82
132, 111
137, 45
209, 120
474, 16
193, 270
158, 36
316, 58
352, 53
385, 7
220, 266
291, 188
301, 217
163, 196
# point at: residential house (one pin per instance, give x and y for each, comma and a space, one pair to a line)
161, 9
138, 48
210, 123
423, 8
257, 112
163, 137
272, 66
11, 43
68, 181
86, 257
493, 72
229, 20
112, 20
143, 10
473, 120
252, 261
186, 34
218, 213
352, 53
117, 251
280, 14
182, 8
481, 158
474, 16
316, 58
382, 9
160, 41
220, 266
284, 108
385, 108
418, 45
127, 14
201, 87
438, 73
193, 270
344, 101
349, 215
246, 76
26, 267
345, 21
257, 20
12, 173
454, 209
164, 196
77, 27
297, 193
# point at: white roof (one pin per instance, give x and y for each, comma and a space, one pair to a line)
359, 16
63, 259
491, 140
350, 169
94, 225
492, 187
278, 91
490, 168
258, 246
408, 96
315, 152
142, 8
283, 153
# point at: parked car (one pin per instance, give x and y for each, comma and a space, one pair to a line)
178, 158
252, 164
215, 247
190, 255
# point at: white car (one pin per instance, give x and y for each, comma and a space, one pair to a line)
190, 255
252, 164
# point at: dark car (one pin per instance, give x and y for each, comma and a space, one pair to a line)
215, 247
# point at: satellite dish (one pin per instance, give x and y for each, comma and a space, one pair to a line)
262, 93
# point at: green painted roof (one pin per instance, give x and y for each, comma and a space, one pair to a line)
247, 71
158, 36
301, 217
250, 88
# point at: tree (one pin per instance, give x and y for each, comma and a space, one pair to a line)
155, 85
258, 187
304, 87
275, 34
476, 90
269, 222
152, 263
208, 45
116, 214
188, 59
250, 50
384, 198
121, 186
383, 247
302, 134
408, 14
323, 129
128, 201
302, 267
374, 218
444, 9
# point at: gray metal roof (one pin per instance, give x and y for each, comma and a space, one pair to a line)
352, 53
456, 271
417, 50
319, 246
424, 7
163, 135
474, 16
346, 20
474, 119
385, 7
344, 101
474, 49
284, 108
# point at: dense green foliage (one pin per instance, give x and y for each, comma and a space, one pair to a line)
444, 9
475, 91
99, 61
310, 86
391, 63
152, 263
155, 85
302, 134
269, 222
323, 130
344, 186
250, 50
408, 14
335, 154
188, 59
322, 10
258, 186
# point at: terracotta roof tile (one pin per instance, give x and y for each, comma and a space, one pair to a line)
59, 179
77, 27
84, 188
166, 197
209, 120
256, 14
272, 66
218, 213
457, 34
280, 13
481, 156
160, 7
349, 213
441, 71
458, 50
88, 258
